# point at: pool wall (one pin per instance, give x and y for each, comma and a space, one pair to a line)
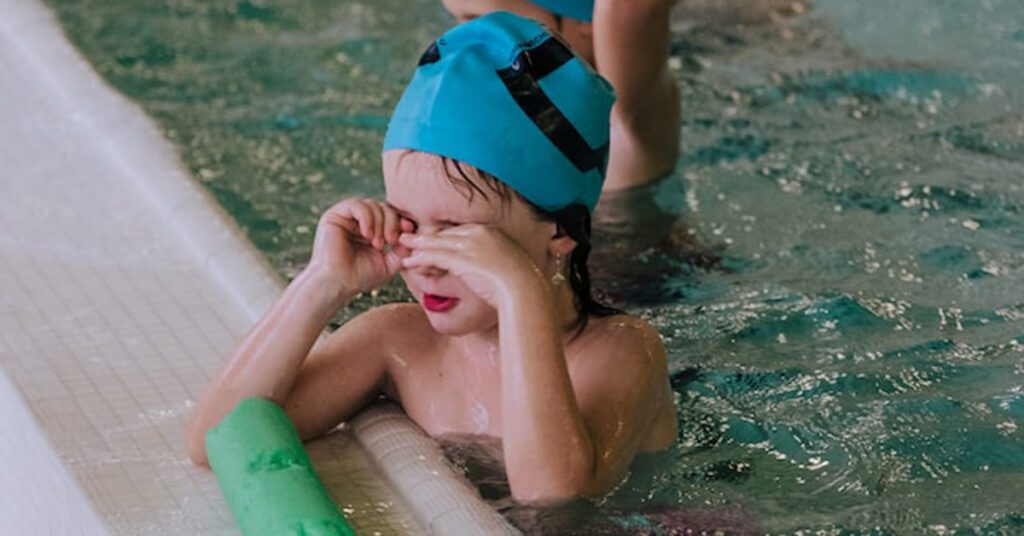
123, 287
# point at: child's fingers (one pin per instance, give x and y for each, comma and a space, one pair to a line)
340, 216
402, 251
424, 259
361, 212
471, 235
469, 230
348, 224
378, 223
393, 261
344, 214
434, 241
392, 225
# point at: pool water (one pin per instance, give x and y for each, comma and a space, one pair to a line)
854, 361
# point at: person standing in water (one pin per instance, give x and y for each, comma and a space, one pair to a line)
639, 231
627, 41
493, 161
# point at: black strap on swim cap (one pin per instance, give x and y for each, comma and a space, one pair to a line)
521, 80
431, 55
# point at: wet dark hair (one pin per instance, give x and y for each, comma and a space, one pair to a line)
573, 220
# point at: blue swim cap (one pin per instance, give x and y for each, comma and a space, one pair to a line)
503, 95
576, 9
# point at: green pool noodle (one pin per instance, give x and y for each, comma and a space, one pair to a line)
267, 477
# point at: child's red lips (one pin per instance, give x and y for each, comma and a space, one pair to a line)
438, 304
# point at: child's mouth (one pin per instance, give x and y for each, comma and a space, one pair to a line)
438, 304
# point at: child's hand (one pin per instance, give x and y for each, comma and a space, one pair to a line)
484, 258
356, 245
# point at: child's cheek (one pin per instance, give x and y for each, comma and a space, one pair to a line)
410, 283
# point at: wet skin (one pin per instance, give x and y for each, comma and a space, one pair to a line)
572, 410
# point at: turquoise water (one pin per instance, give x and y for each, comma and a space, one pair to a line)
855, 363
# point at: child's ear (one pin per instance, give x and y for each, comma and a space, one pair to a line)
561, 244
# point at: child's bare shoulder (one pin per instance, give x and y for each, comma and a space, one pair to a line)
387, 329
403, 311
394, 320
622, 370
625, 330
622, 340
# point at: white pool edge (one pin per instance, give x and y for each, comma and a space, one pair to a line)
47, 499
407, 458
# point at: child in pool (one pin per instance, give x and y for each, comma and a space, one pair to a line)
628, 42
492, 162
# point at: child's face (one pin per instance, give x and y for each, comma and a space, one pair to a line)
419, 189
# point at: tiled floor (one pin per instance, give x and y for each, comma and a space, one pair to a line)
114, 307
122, 290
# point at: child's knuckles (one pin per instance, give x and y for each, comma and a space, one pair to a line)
340, 205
